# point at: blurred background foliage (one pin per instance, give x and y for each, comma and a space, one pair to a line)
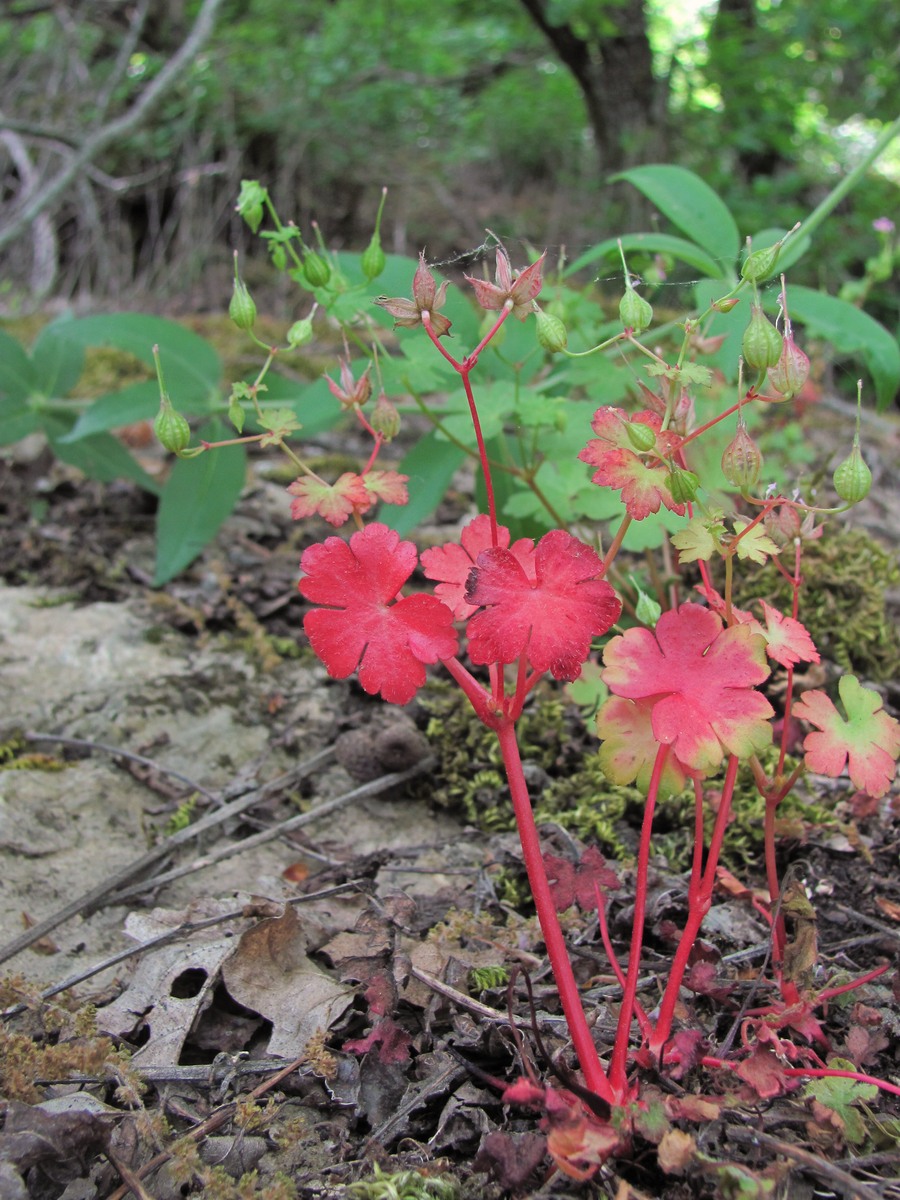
511, 117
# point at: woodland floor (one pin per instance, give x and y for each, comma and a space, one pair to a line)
244, 920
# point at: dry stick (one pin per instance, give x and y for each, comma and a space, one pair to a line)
382, 784
850, 1187
117, 752
189, 927
210, 1125
97, 896
114, 131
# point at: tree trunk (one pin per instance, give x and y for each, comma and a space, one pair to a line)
612, 63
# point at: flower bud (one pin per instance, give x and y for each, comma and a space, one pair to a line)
742, 460
551, 332
791, 371
635, 312
852, 478
683, 485
316, 270
726, 304
171, 428
373, 259
761, 344
641, 436
385, 419
300, 333
242, 310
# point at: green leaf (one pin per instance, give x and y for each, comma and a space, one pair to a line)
58, 363
496, 404
851, 332
692, 206
839, 1093
18, 379
17, 420
430, 465
652, 243
100, 456
191, 365
199, 495
136, 402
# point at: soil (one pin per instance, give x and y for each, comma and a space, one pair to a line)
214, 857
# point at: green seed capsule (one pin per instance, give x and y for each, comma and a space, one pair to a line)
171, 428
242, 310
761, 263
683, 485
551, 332
373, 259
316, 270
300, 333
641, 436
635, 312
852, 478
761, 344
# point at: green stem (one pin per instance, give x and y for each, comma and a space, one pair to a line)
849, 182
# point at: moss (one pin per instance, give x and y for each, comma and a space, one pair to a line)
846, 576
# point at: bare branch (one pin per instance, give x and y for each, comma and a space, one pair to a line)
116, 129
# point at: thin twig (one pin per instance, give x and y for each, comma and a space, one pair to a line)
190, 927
117, 752
97, 897
375, 788
850, 1187
116, 130
210, 1125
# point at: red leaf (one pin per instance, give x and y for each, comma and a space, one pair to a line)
764, 1072
333, 501
452, 563
640, 476
787, 641
392, 1041
701, 677
388, 642
570, 884
552, 617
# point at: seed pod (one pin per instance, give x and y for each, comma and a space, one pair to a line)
242, 310
683, 485
316, 270
551, 332
791, 371
742, 460
385, 418
171, 428
852, 478
300, 333
761, 344
761, 263
373, 259
635, 312
641, 436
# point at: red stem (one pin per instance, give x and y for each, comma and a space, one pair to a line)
698, 907
591, 1067
620, 1048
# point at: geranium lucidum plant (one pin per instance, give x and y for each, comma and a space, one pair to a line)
685, 702
685, 705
